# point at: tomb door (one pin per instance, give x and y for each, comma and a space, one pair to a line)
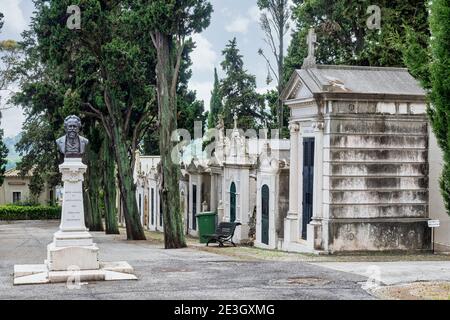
232, 202
265, 214
194, 207
308, 183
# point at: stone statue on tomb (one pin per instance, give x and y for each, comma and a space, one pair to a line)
72, 145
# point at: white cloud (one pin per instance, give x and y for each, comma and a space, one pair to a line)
226, 12
14, 19
263, 90
203, 57
254, 13
203, 90
12, 117
240, 25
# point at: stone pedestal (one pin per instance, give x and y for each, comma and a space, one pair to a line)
72, 252
72, 245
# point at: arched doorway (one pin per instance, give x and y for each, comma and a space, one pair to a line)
232, 202
265, 214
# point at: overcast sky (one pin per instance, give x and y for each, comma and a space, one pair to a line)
231, 18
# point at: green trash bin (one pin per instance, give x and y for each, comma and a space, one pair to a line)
206, 222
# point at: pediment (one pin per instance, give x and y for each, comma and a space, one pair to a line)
296, 89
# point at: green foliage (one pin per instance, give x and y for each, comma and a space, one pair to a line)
215, 103
275, 23
179, 17
343, 36
440, 86
3, 157
41, 96
417, 55
36, 186
15, 212
171, 22
189, 109
238, 91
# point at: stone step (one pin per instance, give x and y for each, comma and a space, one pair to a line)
395, 155
371, 141
373, 183
377, 211
375, 169
393, 126
376, 197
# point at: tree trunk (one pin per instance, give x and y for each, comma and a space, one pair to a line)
86, 207
280, 62
93, 188
109, 188
127, 187
170, 193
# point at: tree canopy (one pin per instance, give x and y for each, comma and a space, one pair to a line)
238, 91
343, 35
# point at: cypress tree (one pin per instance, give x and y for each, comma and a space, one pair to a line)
439, 110
215, 102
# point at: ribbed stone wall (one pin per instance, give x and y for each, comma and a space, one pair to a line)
375, 181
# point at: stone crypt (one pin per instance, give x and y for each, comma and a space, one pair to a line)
73, 253
359, 159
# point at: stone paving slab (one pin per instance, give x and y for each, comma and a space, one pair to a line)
170, 274
395, 272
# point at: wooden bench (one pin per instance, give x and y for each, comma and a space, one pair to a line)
224, 233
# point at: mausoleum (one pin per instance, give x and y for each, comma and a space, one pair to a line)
359, 159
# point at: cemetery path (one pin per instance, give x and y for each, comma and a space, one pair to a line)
171, 274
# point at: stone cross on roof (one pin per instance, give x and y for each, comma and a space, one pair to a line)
311, 40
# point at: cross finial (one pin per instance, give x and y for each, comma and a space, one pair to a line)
235, 117
311, 40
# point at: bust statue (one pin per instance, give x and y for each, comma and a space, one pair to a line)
72, 145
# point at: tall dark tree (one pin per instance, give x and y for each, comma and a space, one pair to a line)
172, 22
112, 67
94, 175
440, 86
275, 24
109, 185
343, 35
215, 105
238, 91
3, 148
189, 108
41, 98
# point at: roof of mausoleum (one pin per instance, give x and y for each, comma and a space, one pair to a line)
16, 173
354, 80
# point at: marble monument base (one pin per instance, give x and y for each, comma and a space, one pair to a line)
40, 274
72, 256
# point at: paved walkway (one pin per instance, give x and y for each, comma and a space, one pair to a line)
391, 273
171, 274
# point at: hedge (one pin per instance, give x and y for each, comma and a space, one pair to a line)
12, 212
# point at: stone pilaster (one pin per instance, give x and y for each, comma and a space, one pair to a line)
291, 220
314, 228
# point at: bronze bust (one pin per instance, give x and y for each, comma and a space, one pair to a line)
72, 145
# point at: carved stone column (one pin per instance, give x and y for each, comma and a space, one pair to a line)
291, 220
293, 171
314, 228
